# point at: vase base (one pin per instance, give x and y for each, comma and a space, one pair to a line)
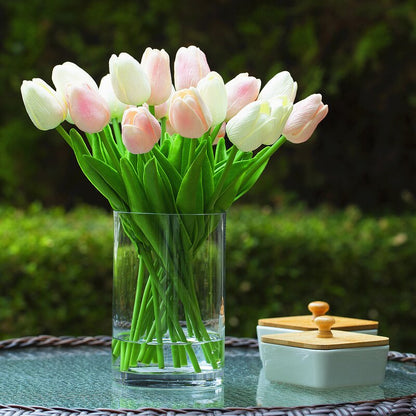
168, 377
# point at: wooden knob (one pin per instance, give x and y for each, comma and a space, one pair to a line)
324, 324
318, 308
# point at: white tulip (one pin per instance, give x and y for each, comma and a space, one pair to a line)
69, 73
281, 84
260, 122
116, 106
45, 106
213, 92
130, 82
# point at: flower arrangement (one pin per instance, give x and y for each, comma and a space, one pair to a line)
153, 145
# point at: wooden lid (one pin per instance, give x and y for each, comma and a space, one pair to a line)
325, 338
307, 323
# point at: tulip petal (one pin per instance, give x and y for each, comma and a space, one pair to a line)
306, 115
140, 130
190, 66
281, 84
87, 108
44, 106
129, 81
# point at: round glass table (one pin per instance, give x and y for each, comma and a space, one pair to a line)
65, 375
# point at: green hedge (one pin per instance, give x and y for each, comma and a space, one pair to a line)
56, 277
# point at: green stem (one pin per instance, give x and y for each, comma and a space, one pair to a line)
64, 134
159, 335
266, 155
183, 296
134, 321
112, 151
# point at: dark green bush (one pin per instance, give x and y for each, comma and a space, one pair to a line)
56, 269
55, 272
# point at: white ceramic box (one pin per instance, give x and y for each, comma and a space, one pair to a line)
293, 324
335, 359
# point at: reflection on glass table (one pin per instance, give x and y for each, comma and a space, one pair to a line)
81, 377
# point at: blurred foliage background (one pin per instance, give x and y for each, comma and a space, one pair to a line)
360, 55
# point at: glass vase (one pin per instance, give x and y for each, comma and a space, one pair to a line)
168, 299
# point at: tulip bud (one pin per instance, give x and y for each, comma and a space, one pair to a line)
281, 84
130, 82
140, 130
116, 106
188, 114
306, 115
259, 122
156, 65
87, 108
212, 90
44, 105
189, 67
70, 73
241, 90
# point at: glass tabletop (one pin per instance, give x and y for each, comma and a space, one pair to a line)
81, 377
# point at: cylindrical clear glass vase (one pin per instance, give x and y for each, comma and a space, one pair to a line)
168, 299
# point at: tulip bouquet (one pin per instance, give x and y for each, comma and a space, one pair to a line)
153, 144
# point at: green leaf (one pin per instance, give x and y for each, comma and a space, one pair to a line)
207, 180
78, 144
82, 154
227, 197
175, 153
142, 225
210, 153
220, 151
166, 143
155, 189
109, 175
237, 169
243, 155
250, 179
110, 148
134, 188
188, 151
94, 142
190, 196
173, 175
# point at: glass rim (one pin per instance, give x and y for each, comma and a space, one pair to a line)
221, 213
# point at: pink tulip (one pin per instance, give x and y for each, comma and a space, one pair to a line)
188, 114
190, 66
241, 90
87, 108
156, 65
140, 130
306, 115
